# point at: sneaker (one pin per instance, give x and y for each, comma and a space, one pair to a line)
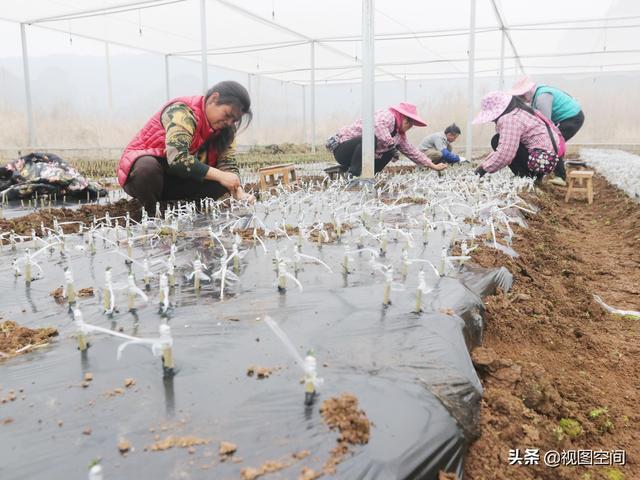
558, 181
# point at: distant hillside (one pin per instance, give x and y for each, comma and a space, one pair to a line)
72, 109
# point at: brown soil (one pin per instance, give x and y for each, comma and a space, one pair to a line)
401, 200
180, 442
394, 170
279, 148
13, 338
23, 225
124, 446
558, 371
339, 413
260, 372
113, 393
342, 413
227, 448
271, 466
318, 180
58, 296
246, 234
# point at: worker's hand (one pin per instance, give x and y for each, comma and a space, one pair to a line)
228, 180
462, 159
240, 195
480, 171
439, 167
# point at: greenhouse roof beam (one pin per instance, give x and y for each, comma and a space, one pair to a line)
569, 70
124, 45
461, 59
574, 21
465, 31
288, 30
565, 28
96, 39
246, 48
381, 37
434, 33
505, 30
266, 21
98, 12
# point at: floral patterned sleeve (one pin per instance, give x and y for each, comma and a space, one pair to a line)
228, 161
179, 123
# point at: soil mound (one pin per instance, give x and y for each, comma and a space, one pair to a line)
559, 372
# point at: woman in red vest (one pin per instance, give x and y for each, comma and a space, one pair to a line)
187, 150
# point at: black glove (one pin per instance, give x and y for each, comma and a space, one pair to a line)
480, 171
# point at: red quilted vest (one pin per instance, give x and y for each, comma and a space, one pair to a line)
150, 140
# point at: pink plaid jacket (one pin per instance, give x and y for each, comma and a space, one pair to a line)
384, 124
518, 127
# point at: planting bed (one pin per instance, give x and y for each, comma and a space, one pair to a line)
559, 372
409, 372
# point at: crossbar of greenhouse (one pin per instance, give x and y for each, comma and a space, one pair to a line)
367, 66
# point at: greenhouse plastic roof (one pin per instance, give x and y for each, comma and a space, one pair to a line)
414, 39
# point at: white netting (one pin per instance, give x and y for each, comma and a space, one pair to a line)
421, 51
622, 169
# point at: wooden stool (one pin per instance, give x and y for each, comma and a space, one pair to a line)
268, 175
571, 165
336, 171
575, 180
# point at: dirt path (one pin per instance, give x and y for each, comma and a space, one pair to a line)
559, 372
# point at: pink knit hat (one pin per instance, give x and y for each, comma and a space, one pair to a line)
492, 105
410, 111
522, 86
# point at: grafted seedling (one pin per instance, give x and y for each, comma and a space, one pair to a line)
197, 274
133, 292
69, 289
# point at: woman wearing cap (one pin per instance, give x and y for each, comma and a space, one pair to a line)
186, 150
390, 127
526, 142
558, 106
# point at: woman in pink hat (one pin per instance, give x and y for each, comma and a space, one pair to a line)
558, 106
526, 142
390, 127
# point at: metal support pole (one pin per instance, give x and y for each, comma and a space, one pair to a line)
27, 86
256, 112
109, 85
203, 42
368, 92
252, 135
501, 87
167, 84
472, 47
404, 88
505, 32
304, 114
313, 97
